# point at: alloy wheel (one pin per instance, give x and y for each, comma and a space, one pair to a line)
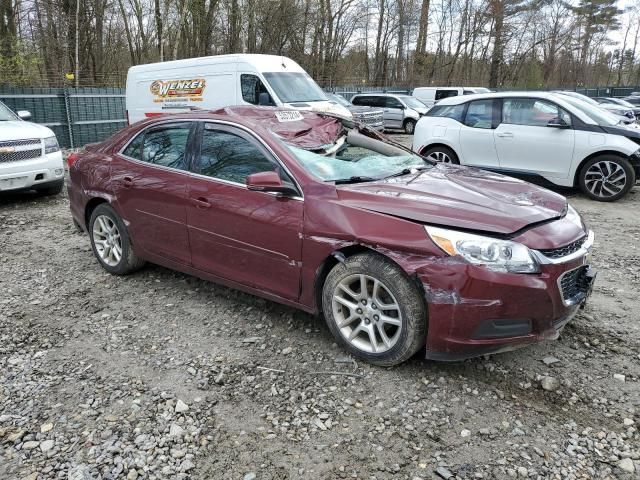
439, 157
107, 240
366, 313
605, 179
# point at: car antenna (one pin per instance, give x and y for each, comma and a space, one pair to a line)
282, 60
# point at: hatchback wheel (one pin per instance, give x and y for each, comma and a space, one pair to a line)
409, 127
374, 310
606, 178
441, 155
110, 241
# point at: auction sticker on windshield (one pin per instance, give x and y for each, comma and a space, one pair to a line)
289, 116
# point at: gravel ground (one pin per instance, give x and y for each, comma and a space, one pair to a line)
162, 375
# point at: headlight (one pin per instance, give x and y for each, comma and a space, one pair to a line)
494, 254
51, 145
574, 217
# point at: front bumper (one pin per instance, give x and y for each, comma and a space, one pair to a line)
23, 175
474, 311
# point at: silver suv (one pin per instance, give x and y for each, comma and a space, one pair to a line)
401, 112
371, 117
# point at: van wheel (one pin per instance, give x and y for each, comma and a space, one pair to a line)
606, 178
441, 155
409, 127
110, 241
374, 310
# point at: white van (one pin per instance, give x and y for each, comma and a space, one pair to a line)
430, 95
220, 81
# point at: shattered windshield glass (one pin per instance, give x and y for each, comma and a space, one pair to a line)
356, 164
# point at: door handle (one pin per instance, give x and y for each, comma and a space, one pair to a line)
505, 134
127, 182
201, 202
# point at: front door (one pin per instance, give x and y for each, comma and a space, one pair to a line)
149, 179
477, 146
253, 238
535, 136
393, 112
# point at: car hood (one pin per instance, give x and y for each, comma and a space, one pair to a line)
21, 130
458, 197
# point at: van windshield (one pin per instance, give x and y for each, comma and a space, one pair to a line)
6, 114
293, 87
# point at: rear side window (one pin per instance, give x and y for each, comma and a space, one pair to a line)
251, 87
455, 112
440, 93
165, 146
370, 101
479, 114
532, 112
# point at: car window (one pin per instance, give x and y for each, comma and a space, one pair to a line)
454, 112
165, 146
479, 114
391, 102
361, 101
532, 112
251, 87
440, 93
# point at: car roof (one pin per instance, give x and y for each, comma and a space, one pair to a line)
381, 94
480, 96
310, 130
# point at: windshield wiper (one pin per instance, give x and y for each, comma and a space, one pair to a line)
407, 171
354, 179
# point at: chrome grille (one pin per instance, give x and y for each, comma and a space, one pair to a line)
564, 251
369, 118
21, 143
574, 285
19, 155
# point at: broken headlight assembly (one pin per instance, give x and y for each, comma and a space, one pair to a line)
574, 217
492, 253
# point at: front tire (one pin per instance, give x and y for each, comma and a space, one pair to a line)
409, 127
441, 154
110, 241
606, 178
374, 310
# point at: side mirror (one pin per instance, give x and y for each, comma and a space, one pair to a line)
24, 114
268, 182
265, 99
558, 123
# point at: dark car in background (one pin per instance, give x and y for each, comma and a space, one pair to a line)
308, 210
370, 116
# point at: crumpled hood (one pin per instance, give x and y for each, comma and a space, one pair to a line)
458, 197
20, 130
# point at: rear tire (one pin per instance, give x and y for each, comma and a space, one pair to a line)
606, 178
441, 154
110, 241
374, 310
409, 127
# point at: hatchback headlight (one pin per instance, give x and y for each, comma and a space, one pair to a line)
51, 145
492, 253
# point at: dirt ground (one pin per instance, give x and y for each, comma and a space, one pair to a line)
162, 375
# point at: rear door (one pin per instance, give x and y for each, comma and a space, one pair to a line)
252, 238
477, 146
526, 142
149, 179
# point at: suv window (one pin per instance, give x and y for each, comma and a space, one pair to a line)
444, 93
370, 101
251, 87
532, 112
165, 146
454, 112
391, 102
479, 114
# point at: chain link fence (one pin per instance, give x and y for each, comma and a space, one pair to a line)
90, 114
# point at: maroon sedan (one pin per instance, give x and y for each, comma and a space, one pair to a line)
329, 217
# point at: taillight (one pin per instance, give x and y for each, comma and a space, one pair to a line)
71, 159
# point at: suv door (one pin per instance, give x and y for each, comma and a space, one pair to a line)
526, 142
249, 237
393, 112
149, 178
477, 145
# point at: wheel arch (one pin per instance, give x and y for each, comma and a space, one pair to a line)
90, 207
616, 153
438, 144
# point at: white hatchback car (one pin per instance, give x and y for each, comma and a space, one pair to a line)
30, 158
563, 140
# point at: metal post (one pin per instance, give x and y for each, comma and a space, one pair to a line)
67, 111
